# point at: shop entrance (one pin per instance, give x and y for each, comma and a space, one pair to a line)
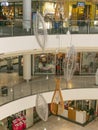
83, 13
84, 16
80, 13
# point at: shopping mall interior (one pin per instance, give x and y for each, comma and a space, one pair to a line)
48, 64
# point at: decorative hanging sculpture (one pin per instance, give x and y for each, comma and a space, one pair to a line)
41, 107
40, 30
70, 63
57, 103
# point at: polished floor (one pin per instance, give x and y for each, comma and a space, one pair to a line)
56, 123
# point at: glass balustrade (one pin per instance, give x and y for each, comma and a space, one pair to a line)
13, 91
10, 28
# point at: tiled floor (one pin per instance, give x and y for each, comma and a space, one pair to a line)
55, 123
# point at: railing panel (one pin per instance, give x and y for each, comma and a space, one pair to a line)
41, 85
17, 28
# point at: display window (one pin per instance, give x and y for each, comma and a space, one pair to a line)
17, 121
77, 69
60, 63
8, 11
44, 63
89, 62
80, 111
13, 10
18, 10
96, 12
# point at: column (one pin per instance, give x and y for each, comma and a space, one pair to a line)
27, 67
96, 107
27, 14
96, 77
29, 117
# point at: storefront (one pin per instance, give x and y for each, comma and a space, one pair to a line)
52, 63
12, 10
80, 111
89, 62
22, 120
72, 10
44, 63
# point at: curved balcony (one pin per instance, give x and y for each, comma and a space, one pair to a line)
21, 95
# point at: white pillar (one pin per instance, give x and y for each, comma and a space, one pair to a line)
96, 107
29, 117
27, 14
27, 67
96, 76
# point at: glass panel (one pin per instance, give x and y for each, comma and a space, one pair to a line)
89, 62
44, 63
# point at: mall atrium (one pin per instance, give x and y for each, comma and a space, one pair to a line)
48, 64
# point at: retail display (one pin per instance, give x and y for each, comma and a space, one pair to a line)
89, 62
41, 107
57, 104
19, 123
16, 122
44, 63
80, 111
